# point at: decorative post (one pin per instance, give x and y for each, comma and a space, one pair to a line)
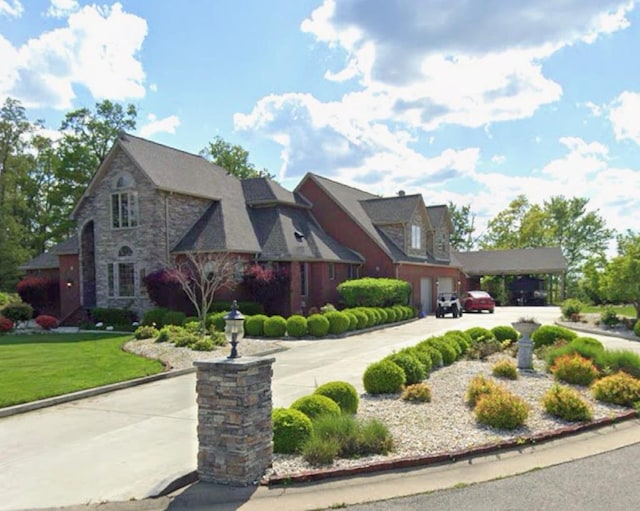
235, 432
525, 327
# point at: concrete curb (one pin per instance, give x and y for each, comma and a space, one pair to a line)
628, 336
447, 457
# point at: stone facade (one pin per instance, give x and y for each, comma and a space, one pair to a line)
163, 218
235, 432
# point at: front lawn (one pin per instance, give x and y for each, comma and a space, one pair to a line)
45, 365
621, 310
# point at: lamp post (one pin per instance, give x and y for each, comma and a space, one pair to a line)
234, 329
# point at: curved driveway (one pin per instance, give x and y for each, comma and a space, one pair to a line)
127, 444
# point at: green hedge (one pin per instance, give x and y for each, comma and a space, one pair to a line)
374, 292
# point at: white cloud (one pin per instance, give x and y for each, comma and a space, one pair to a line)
97, 49
11, 8
624, 114
155, 125
498, 159
62, 8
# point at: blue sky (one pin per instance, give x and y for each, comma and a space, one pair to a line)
470, 102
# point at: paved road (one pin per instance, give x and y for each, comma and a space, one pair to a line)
605, 481
126, 444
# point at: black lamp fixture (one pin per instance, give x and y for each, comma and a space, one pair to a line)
69, 282
234, 329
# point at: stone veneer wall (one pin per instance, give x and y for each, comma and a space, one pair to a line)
235, 432
149, 240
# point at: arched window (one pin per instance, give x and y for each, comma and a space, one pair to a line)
121, 274
124, 202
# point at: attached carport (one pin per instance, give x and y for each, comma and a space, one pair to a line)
548, 262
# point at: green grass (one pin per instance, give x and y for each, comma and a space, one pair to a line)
621, 310
40, 366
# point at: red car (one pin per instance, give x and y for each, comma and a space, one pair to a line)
478, 301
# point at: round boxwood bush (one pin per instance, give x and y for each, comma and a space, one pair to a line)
571, 308
636, 328
318, 325
146, 332
275, 326
480, 334
361, 316
353, 321
413, 369
315, 405
384, 377
459, 340
392, 315
447, 349
434, 354
154, 317
338, 322
297, 326
174, 318
18, 312
501, 409
291, 430
254, 325
550, 334
216, 321
505, 333
587, 342
343, 393
575, 369
422, 355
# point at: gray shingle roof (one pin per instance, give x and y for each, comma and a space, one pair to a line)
276, 228
49, 259
260, 190
512, 262
439, 215
369, 210
68, 246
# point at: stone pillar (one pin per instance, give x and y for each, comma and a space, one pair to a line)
234, 419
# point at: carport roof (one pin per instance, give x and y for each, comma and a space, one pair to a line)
522, 261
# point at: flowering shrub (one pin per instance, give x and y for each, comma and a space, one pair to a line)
6, 325
164, 289
266, 285
566, 403
480, 386
620, 389
46, 322
575, 368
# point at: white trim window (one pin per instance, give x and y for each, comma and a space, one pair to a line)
121, 276
416, 237
124, 203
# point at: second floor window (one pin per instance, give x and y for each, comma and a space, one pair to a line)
416, 240
124, 203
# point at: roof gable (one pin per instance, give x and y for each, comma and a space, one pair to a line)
263, 191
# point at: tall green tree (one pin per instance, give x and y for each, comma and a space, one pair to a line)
517, 226
463, 220
621, 278
233, 158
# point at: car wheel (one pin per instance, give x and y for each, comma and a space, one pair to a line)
490, 311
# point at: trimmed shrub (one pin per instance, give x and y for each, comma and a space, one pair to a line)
571, 308
423, 357
216, 321
413, 370
391, 315
547, 335
501, 410
343, 393
146, 332
353, 321
588, 342
575, 369
374, 292
620, 389
39, 292
420, 392
254, 325
459, 341
479, 386
184, 339
636, 328
315, 405
480, 334
275, 326
6, 325
170, 333
448, 350
154, 317
46, 322
203, 344
384, 377
338, 322
291, 430
318, 325
112, 316
361, 318
434, 354
18, 312
609, 317
297, 326
505, 334
174, 318
566, 403
505, 369
372, 316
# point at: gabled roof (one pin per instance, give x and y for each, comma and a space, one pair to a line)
290, 233
370, 211
67, 247
262, 191
49, 259
439, 215
512, 262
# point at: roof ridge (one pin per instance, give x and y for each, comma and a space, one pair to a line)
175, 149
343, 185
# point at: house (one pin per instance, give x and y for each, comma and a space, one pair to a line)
149, 203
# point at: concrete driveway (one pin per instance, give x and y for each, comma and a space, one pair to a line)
130, 443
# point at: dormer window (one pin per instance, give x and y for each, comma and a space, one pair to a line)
124, 203
416, 237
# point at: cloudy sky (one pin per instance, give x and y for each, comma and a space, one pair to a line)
473, 102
